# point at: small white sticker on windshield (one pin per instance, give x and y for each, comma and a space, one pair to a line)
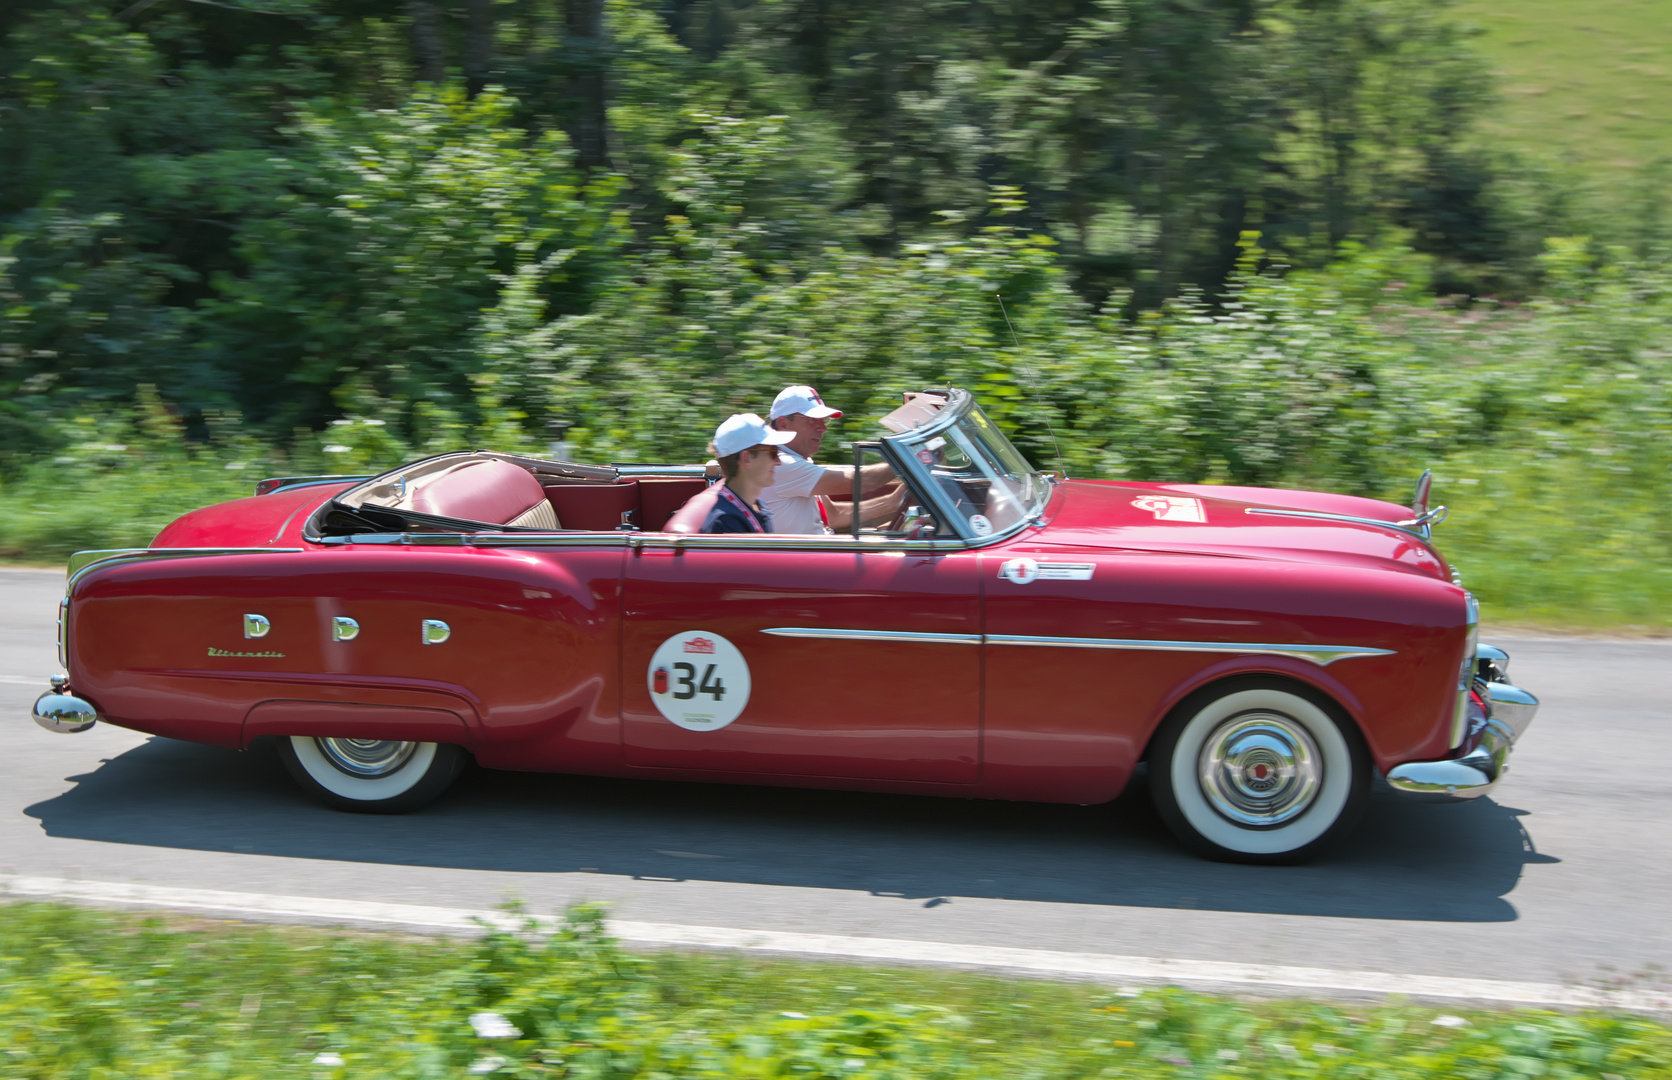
1171, 507
979, 525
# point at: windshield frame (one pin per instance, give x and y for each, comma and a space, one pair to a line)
902, 449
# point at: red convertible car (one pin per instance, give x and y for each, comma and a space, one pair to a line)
1007, 634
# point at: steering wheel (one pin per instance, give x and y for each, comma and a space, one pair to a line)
898, 520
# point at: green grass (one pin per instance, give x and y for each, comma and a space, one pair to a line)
1587, 81
1560, 546
92, 995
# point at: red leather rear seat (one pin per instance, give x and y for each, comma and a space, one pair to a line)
495, 492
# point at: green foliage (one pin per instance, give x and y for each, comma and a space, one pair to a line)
1218, 228
252, 207
92, 995
390, 232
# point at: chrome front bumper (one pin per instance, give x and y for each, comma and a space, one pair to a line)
61, 711
1511, 710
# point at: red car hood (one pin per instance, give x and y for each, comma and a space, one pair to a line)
1208, 519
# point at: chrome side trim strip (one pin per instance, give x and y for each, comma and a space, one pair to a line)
789, 542
1421, 532
283, 483
83, 561
873, 635
1322, 655
633, 468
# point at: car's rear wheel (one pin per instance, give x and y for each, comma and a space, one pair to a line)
1260, 771
371, 776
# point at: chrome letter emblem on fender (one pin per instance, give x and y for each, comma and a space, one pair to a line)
698, 680
256, 626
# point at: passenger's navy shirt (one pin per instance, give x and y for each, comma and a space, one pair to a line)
728, 516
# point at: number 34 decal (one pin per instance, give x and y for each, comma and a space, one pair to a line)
686, 686
698, 680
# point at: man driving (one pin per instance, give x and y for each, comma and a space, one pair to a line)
794, 500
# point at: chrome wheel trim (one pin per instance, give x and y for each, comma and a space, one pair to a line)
366, 759
364, 789
1260, 769
1200, 815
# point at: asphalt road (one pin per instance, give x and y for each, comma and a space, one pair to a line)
1564, 876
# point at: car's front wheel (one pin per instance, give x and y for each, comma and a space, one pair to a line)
371, 776
1259, 770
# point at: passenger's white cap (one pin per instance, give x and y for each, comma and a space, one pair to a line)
742, 430
801, 399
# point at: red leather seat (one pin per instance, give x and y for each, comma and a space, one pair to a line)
495, 492
689, 518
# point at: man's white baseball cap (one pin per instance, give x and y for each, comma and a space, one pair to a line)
801, 399
740, 431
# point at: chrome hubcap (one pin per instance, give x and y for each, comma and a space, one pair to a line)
366, 758
1260, 769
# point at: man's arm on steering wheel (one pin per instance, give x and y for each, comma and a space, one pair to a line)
838, 479
875, 512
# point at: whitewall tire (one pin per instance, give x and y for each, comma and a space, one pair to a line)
1259, 770
371, 776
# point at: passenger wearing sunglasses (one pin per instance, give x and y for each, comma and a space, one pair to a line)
747, 450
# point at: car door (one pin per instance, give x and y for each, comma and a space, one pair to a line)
839, 662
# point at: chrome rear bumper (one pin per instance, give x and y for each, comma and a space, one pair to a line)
61, 711
1477, 772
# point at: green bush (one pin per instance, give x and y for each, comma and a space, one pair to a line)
1549, 425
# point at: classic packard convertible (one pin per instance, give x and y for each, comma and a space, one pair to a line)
1007, 633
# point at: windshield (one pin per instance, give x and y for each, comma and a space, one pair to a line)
984, 483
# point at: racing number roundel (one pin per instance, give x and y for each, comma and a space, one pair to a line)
698, 680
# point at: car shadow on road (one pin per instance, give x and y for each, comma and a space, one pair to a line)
1407, 861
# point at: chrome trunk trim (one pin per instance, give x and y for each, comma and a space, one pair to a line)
280, 483
83, 561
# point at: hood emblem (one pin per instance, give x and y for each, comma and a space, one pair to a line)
1172, 507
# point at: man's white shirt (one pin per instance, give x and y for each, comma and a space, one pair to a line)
790, 499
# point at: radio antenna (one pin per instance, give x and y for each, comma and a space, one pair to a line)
1032, 390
